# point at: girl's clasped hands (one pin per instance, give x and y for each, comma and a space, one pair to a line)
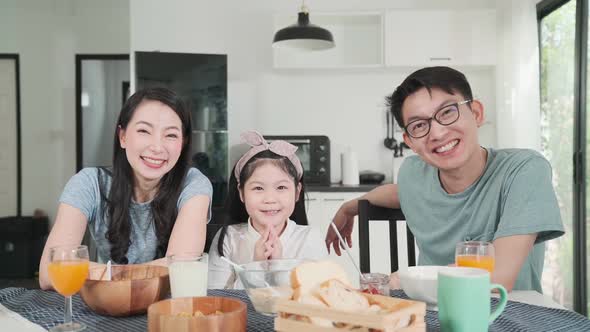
268, 245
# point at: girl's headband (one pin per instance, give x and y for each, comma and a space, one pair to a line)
259, 144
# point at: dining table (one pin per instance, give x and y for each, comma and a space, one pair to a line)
33, 310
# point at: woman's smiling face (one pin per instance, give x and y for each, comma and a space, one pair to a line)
152, 140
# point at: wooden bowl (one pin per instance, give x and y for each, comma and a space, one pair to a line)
178, 315
132, 289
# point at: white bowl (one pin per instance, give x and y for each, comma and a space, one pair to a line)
421, 282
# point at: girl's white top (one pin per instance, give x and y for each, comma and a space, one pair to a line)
298, 241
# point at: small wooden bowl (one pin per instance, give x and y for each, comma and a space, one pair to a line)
178, 315
132, 289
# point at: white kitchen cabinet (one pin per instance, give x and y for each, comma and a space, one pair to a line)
440, 37
314, 210
358, 38
321, 208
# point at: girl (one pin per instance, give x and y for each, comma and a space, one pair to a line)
266, 212
150, 203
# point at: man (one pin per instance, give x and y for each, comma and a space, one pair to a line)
454, 190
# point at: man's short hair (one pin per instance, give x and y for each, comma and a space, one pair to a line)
444, 78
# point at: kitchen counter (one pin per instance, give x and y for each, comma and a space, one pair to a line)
337, 187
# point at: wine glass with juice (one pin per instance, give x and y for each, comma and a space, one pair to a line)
68, 270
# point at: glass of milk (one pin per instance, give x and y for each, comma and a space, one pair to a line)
188, 274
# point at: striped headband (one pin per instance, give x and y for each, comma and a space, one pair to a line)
259, 144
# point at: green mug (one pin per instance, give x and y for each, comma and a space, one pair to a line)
464, 299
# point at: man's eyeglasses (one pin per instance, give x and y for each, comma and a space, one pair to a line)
446, 115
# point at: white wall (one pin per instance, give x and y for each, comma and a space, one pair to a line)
47, 35
345, 105
349, 107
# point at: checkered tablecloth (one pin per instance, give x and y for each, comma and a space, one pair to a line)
46, 309
523, 317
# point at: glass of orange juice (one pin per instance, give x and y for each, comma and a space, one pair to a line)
477, 254
68, 270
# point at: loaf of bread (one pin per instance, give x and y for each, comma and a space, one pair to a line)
326, 299
326, 285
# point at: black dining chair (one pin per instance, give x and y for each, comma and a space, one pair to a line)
369, 212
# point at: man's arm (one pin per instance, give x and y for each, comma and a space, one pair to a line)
384, 196
530, 214
511, 252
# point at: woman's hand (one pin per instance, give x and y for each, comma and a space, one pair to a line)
69, 228
344, 221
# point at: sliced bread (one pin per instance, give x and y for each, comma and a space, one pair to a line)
310, 299
340, 296
310, 275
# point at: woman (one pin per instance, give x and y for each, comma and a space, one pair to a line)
150, 204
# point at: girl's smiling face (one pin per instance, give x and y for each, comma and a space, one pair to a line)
269, 195
152, 140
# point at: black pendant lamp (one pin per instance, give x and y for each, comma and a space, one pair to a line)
303, 35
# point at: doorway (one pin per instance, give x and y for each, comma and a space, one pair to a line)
10, 154
102, 86
563, 46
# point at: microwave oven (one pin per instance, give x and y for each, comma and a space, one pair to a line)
314, 153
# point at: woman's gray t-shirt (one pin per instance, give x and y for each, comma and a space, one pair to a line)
83, 192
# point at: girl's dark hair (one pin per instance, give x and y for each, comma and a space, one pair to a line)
164, 205
235, 209
447, 79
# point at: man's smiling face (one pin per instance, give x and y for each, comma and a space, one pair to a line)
447, 147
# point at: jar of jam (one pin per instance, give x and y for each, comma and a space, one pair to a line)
375, 283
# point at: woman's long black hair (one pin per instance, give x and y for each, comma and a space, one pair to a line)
164, 205
235, 209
